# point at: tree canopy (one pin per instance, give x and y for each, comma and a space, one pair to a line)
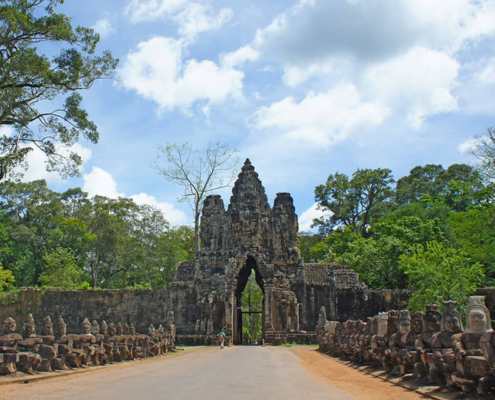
31, 82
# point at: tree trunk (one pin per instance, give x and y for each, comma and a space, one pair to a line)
196, 233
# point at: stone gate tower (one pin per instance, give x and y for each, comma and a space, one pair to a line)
251, 235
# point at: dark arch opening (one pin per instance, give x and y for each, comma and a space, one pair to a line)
242, 279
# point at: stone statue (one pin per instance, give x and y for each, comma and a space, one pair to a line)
423, 344
29, 359
398, 344
8, 347
444, 361
47, 329
471, 365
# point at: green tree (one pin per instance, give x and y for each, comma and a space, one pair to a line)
198, 175
61, 270
355, 202
438, 273
474, 232
31, 82
459, 186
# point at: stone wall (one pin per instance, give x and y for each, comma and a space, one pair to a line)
138, 307
144, 307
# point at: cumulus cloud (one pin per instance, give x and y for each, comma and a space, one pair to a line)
192, 17
468, 145
101, 182
156, 70
104, 27
418, 82
172, 214
320, 119
307, 217
36, 160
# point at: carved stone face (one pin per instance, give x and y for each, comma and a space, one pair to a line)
61, 327
477, 321
95, 328
404, 327
47, 327
112, 330
382, 326
9, 325
87, 329
452, 324
418, 325
432, 322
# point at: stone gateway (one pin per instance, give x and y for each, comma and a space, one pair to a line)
252, 236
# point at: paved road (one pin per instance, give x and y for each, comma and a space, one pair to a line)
238, 373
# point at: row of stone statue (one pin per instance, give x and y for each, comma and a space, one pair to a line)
428, 348
98, 344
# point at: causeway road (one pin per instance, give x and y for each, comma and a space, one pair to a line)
239, 372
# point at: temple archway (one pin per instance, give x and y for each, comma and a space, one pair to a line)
249, 267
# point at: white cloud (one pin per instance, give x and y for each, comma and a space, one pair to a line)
418, 82
156, 71
104, 27
307, 217
467, 145
239, 57
320, 119
101, 182
487, 75
172, 214
36, 160
311, 37
192, 17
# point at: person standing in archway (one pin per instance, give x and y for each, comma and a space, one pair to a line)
221, 336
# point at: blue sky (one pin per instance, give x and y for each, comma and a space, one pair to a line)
303, 88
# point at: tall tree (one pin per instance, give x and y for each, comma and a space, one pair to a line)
31, 82
484, 151
355, 202
198, 175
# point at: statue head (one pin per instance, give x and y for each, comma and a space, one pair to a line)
120, 329
47, 329
112, 330
160, 329
451, 318
151, 330
477, 315
29, 327
95, 328
404, 322
393, 322
86, 326
125, 329
9, 325
418, 322
170, 318
61, 327
132, 329
104, 328
432, 318
382, 324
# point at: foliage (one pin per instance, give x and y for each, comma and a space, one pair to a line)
30, 82
61, 270
114, 243
439, 273
355, 202
474, 232
198, 176
6, 277
253, 297
308, 240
